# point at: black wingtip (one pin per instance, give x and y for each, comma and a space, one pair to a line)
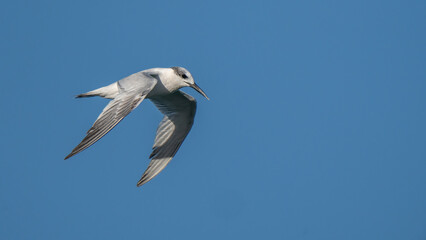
139, 184
69, 155
141, 181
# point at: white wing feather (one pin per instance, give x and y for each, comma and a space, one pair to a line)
179, 112
131, 92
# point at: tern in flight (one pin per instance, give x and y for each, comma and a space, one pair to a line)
161, 86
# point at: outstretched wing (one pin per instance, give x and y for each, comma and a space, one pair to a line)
179, 112
132, 91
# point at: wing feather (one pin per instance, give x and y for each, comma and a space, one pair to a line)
132, 91
179, 112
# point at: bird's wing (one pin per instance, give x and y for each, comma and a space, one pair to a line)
132, 91
179, 112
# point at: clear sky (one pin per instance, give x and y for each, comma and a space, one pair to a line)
315, 128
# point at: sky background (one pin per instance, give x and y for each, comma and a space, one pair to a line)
315, 128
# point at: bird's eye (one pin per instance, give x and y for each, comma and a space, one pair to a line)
184, 76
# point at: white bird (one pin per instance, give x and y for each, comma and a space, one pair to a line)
161, 86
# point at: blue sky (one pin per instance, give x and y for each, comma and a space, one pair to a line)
315, 128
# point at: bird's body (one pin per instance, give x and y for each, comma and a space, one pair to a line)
161, 86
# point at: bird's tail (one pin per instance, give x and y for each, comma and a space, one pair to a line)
88, 94
110, 91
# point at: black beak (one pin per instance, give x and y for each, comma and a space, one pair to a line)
198, 89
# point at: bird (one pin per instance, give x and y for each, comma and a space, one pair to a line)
161, 86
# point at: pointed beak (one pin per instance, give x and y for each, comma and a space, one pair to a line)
198, 89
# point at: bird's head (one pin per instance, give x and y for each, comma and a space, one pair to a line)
186, 79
